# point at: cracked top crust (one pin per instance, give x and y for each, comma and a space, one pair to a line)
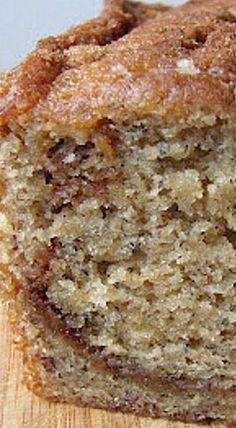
133, 62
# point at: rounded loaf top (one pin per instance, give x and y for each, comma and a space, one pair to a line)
133, 62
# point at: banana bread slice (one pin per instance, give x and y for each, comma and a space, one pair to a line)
118, 213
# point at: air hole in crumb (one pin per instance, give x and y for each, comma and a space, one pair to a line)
48, 363
219, 299
194, 343
67, 151
68, 274
231, 236
15, 245
58, 146
173, 209
102, 267
55, 243
149, 290
84, 151
48, 176
107, 209
58, 209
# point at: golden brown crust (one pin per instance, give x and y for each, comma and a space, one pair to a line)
31, 81
138, 75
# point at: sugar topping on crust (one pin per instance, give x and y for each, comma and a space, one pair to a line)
30, 82
109, 69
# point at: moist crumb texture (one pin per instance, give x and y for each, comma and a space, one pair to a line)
118, 211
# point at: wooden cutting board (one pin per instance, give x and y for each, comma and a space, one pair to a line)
19, 408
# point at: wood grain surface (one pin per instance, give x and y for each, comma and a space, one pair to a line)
19, 408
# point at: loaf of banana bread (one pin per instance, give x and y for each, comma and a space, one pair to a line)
118, 210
